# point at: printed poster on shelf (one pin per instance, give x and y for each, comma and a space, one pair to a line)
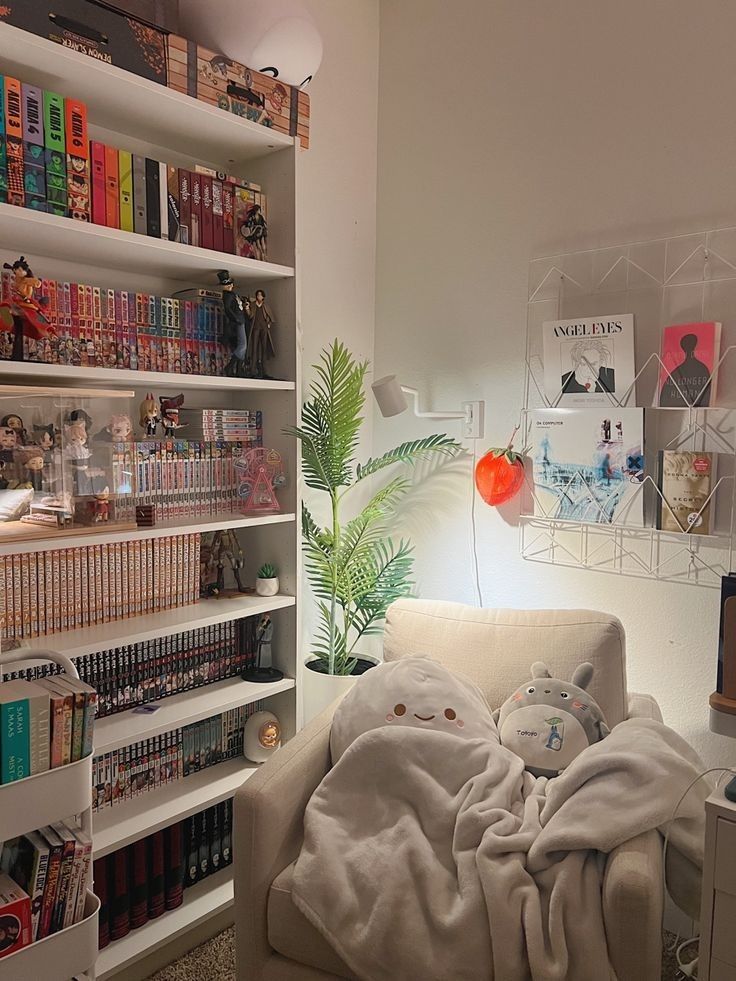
589, 361
589, 465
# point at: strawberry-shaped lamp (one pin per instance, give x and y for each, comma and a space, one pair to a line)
499, 474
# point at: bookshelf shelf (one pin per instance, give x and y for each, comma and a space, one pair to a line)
137, 107
54, 538
180, 710
39, 234
77, 643
201, 902
125, 378
115, 827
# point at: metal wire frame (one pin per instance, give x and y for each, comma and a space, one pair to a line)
615, 547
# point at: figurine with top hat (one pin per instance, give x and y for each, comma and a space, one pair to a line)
236, 324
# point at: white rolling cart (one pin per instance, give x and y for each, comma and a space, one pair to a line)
28, 804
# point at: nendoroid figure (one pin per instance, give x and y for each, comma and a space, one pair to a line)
170, 407
149, 417
118, 430
14, 422
30, 459
8, 443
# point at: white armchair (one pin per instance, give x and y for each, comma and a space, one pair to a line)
495, 649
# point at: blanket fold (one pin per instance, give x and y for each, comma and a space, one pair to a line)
428, 856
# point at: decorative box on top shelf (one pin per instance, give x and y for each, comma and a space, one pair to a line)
63, 460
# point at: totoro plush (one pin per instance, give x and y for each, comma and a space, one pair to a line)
548, 722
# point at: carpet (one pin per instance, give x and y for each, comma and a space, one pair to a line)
215, 961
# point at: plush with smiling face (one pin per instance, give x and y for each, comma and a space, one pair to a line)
412, 692
549, 722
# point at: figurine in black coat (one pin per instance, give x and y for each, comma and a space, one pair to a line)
237, 322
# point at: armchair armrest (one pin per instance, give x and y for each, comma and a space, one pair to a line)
633, 906
268, 830
643, 707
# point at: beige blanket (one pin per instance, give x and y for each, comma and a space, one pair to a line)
429, 857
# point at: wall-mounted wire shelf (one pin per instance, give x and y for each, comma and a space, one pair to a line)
684, 279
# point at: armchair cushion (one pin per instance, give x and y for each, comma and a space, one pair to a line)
494, 648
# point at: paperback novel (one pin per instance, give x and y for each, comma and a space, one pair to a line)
689, 369
686, 480
589, 465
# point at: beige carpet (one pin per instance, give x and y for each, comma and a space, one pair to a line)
215, 961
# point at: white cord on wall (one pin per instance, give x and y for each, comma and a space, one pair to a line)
473, 529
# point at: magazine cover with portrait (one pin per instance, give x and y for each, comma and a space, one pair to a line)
589, 465
589, 361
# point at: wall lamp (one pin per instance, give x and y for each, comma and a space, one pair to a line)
391, 399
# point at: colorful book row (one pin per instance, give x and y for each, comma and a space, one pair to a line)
44, 723
49, 870
48, 163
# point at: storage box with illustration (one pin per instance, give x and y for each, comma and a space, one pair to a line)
218, 80
95, 29
64, 460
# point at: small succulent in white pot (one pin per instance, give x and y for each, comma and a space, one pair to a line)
267, 580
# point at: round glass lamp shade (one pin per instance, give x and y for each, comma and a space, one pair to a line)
278, 37
499, 475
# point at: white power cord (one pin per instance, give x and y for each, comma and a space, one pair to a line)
473, 529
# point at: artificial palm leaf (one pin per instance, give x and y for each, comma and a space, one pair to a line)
410, 453
354, 569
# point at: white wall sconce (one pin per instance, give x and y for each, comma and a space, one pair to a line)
391, 399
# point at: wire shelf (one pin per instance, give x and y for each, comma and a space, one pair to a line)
683, 279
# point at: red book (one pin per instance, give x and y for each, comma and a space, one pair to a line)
119, 895
195, 222
157, 890
139, 883
101, 891
207, 240
174, 865
689, 370
112, 187
97, 151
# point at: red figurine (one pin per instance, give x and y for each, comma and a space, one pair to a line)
170, 413
23, 315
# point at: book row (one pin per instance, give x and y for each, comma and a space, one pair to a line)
63, 589
43, 882
48, 163
139, 674
144, 766
92, 326
115, 37
141, 881
44, 724
590, 361
589, 465
185, 477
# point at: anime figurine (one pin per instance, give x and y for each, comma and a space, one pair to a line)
149, 417
22, 315
14, 422
216, 552
45, 437
79, 415
8, 442
236, 323
170, 413
118, 430
78, 453
30, 458
260, 342
98, 508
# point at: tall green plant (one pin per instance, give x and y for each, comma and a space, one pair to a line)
354, 568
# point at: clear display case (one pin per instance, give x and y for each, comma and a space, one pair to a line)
65, 460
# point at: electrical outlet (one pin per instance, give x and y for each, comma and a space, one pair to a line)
472, 427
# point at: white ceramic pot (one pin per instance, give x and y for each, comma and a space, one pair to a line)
320, 690
267, 587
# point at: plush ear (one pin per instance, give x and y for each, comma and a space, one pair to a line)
540, 670
603, 729
583, 675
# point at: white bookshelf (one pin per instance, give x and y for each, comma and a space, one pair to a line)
149, 119
202, 902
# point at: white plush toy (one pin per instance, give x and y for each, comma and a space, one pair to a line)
412, 692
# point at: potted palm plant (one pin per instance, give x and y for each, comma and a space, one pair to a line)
354, 568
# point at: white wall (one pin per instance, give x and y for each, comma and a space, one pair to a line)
336, 204
515, 128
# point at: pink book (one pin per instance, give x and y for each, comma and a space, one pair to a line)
690, 354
